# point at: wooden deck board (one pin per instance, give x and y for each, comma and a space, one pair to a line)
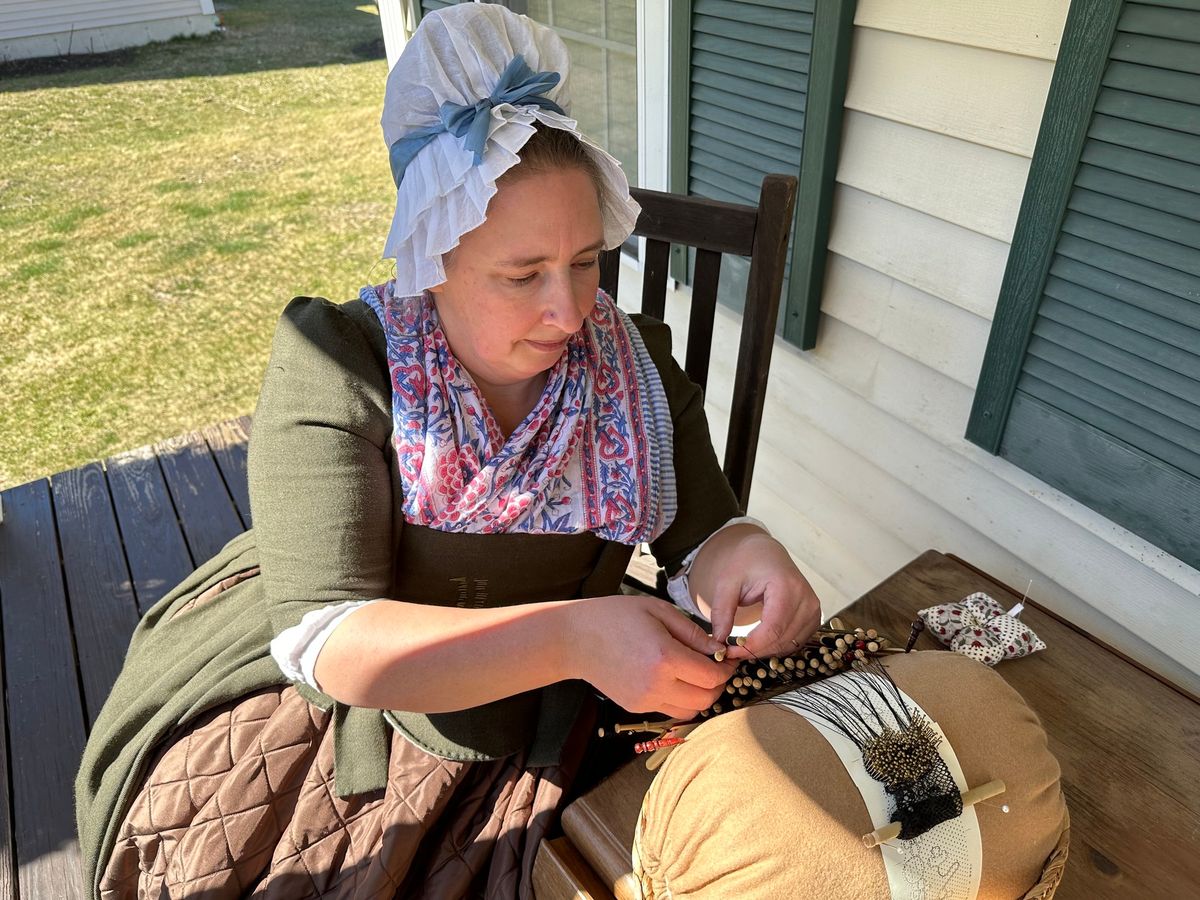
228, 442
206, 510
8, 881
45, 711
103, 610
81, 556
154, 545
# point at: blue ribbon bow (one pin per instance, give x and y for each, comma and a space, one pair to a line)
518, 85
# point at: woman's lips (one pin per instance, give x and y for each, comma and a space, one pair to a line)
548, 346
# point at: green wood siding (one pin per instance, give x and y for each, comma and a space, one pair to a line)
1091, 379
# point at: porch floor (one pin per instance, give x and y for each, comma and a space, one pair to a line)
82, 555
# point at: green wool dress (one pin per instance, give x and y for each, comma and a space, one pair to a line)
325, 499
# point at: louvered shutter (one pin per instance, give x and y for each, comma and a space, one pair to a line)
748, 84
1107, 401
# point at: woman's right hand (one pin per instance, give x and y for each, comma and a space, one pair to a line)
647, 656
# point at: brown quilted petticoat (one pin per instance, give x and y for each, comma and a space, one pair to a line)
243, 804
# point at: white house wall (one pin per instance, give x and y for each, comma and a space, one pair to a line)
31, 28
862, 463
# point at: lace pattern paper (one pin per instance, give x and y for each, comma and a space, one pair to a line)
944, 863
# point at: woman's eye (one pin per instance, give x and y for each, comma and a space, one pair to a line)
526, 279
586, 264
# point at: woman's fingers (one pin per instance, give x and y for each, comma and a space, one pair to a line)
647, 656
694, 697
688, 632
690, 661
790, 614
678, 712
723, 606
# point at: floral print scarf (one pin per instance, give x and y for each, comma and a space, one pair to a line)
594, 454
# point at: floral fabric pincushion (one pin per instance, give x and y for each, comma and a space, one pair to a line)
980, 628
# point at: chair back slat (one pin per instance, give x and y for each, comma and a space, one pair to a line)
610, 271
696, 221
713, 227
654, 278
705, 278
763, 289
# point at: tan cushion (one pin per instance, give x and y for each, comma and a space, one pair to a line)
757, 804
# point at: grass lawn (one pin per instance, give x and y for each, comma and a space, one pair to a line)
158, 209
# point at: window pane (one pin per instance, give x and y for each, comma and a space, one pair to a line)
601, 36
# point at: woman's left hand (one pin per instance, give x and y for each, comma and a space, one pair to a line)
742, 574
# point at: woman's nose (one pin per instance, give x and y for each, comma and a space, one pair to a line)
567, 305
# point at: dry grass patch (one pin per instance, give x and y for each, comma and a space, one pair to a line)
160, 211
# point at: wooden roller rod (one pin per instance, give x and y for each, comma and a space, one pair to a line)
970, 797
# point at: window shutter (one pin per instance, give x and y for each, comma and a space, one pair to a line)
747, 91
1106, 400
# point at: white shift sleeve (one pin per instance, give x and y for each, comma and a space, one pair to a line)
677, 586
296, 649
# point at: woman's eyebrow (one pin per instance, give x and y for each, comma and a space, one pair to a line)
534, 260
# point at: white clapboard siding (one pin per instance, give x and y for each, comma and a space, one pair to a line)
1023, 27
953, 263
967, 184
783, 469
49, 17
807, 513
903, 387
57, 11
862, 461
983, 96
805, 536
1137, 598
884, 474
948, 339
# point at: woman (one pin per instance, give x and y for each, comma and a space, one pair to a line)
383, 690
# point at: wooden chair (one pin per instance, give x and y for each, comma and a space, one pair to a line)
713, 228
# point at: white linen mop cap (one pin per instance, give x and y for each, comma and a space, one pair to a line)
457, 80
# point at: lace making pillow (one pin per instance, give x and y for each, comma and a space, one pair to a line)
759, 803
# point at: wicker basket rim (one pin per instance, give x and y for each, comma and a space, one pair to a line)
1056, 862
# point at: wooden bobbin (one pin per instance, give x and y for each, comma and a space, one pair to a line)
654, 727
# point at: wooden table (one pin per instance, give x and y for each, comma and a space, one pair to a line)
1128, 744
82, 555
